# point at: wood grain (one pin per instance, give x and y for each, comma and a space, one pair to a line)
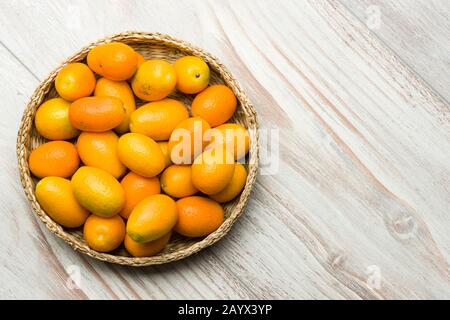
363, 167
417, 31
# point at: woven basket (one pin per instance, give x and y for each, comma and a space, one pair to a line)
152, 46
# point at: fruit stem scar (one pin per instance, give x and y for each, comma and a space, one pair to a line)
197, 75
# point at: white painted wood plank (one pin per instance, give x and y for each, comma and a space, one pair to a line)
417, 31
364, 149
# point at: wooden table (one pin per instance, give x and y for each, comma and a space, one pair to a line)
359, 204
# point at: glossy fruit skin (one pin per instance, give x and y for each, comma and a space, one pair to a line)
216, 104
104, 234
137, 188
115, 61
234, 136
140, 59
192, 74
152, 218
213, 170
98, 191
158, 119
75, 81
122, 91
176, 181
198, 216
147, 249
164, 145
187, 140
56, 197
52, 120
154, 80
141, 154
234, 187
99, 150
54, 158
96, 114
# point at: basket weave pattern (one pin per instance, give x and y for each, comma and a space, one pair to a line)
152, 46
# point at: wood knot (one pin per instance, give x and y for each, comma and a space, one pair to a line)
405, 227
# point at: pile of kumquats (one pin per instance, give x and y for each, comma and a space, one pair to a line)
130, 174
